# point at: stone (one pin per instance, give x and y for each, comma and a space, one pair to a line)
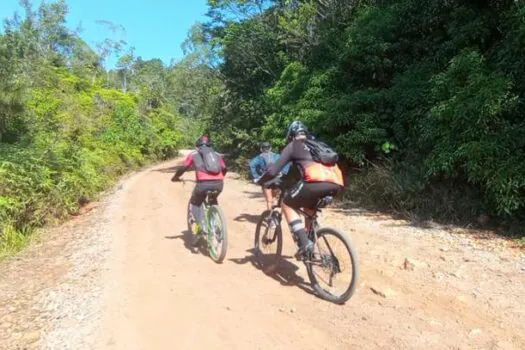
462, 298
475, 333
384, 292
436, 324
438, 275
410, 264
16, 335
7, 319
31, 337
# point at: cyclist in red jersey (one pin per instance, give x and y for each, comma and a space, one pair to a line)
206, 180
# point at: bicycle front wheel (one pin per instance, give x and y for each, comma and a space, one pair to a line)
333, 269
218, 235
268, 244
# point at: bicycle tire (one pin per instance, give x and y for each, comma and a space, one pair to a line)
188, 218
218, 257
321, 292
195, 240
263, 261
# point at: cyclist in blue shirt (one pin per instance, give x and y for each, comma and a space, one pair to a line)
260, 164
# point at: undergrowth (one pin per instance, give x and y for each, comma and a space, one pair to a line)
404, 193
78, 142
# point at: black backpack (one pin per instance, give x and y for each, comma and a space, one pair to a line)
211, 160
322, 153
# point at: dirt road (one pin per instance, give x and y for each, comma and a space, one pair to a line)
122, 277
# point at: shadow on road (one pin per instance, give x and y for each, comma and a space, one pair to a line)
286, 273
187, 237
248, 218
252, 194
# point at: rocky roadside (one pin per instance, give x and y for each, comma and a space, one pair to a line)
50, 294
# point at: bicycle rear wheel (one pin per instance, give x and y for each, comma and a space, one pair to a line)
268, 244
218, 235
334, 261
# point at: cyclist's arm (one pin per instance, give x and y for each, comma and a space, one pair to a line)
286, 168
274, 169
188, 162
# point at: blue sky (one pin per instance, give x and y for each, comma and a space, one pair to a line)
156, 28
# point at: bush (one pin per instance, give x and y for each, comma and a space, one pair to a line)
77, 144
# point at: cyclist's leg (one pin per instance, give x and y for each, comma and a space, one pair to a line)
304, 195
197, 198
268, 195
216, 185
289, 207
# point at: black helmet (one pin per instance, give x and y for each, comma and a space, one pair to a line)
265, 146
204, 140
296, 128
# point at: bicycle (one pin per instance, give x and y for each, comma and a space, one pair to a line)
269, 234
215, 231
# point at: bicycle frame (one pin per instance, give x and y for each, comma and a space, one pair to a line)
312, 218
321, 256
211, 199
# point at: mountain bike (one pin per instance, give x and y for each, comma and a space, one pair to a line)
215, 231
269, 244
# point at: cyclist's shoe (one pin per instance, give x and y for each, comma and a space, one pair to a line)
196, 229
196, 234
304, 251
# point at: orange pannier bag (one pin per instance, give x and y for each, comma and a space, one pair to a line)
317, 172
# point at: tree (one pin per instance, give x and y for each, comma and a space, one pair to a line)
124, 65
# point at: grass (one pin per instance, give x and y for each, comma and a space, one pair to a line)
13, 241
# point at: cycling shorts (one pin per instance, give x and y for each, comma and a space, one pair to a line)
307, 194
199, 192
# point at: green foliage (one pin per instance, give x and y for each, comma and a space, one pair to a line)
469, 132
426, 97
64, 136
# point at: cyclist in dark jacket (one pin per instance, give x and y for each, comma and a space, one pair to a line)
317, 181
259, 164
